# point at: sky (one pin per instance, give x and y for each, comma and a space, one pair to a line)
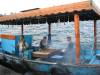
8, 6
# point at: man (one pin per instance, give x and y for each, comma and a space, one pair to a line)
22, 45
43, 43
69, 55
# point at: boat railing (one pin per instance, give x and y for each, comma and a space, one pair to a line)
45, 62
27, 60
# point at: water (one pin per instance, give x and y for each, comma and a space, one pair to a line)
6, 71
59, 33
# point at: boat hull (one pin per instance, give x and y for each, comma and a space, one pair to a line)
48, 68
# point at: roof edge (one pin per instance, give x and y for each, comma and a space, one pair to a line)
95, 8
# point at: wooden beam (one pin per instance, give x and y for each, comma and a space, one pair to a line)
77, 35
49, 28
49, 32
95, 35
22, 29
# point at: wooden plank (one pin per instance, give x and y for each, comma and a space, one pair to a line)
77, 35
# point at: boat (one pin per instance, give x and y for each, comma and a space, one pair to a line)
48, 62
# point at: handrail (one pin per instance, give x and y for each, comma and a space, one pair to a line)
34, 61
51, 63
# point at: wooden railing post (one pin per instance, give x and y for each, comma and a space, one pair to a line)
77, 35
22, 29
49, 32
95, 36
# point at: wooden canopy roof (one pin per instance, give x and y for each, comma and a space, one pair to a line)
86, 9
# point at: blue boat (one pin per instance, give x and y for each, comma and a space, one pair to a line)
50, 61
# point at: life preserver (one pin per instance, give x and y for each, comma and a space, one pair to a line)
59, 70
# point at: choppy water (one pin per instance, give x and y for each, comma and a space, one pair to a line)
59, 33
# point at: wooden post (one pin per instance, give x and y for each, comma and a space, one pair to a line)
95, 35
49, 32
77, 35
22, 28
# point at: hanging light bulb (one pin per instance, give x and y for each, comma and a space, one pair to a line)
58, 22
68, 20
46, 21
64, 23
64, 20
30, 22
38, 20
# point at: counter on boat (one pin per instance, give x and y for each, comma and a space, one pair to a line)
43, 53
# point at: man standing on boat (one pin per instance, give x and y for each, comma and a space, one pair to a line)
22, 45
69, 54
